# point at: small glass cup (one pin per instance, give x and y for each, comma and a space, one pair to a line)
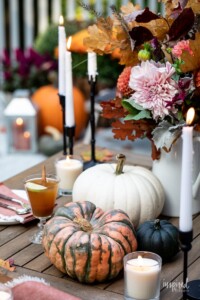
5, 293
68, 168
42, 197
142, 276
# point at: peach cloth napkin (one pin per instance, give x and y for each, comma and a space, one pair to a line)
39, 291
9, 215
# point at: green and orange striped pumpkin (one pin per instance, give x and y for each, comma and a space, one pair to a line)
88, 244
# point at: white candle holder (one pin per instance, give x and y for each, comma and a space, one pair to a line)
142, 276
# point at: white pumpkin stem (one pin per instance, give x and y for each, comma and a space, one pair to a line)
120, 163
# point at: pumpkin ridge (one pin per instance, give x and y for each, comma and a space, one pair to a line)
169, 235
88, 263
61, 251
109, 259
125, 237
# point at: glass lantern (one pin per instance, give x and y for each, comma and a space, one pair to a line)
21, 123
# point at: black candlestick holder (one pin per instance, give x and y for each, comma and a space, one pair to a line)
191, 290
70, 132
93, 161
62, 103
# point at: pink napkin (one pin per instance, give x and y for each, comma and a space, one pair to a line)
39, 291
9, 215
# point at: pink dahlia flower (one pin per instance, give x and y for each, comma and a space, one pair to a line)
154, 88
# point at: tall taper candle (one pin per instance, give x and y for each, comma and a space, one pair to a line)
61, 56
185, 221
92, 66
69, 101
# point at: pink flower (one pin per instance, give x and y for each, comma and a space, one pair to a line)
180, 47
154, 88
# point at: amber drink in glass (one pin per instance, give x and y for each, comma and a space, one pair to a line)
42, 196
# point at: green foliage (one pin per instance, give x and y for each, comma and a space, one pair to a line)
48, 41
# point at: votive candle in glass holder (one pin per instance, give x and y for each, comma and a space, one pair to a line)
68, 168
142, 276
5, 293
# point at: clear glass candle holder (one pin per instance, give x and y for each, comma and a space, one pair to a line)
5, 293
142, 276
68, 168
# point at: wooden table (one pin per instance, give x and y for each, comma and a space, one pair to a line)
30, 259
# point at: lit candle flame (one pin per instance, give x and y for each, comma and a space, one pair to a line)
67, 158
61, 21
19, 121
140, 260
27, 134
69, 41
190, 115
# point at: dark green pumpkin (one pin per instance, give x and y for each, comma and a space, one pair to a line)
158, 236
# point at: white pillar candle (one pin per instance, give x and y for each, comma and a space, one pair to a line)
92, 65
61, 56
68, 170
185, 221
69, 101
142, 278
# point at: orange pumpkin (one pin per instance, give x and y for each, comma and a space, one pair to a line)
50, 112
87, 243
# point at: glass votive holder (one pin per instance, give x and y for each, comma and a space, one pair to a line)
68, 168
142, 276
5, 293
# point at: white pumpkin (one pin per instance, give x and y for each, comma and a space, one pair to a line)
135, 190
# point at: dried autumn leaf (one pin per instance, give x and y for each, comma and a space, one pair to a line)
147, 16
191, 62
129, 8
101, 155
140, 35
181, 25
170, 7
159, 28
100, 36
195, 5
6, 265
113, 109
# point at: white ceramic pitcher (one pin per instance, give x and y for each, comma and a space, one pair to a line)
168, 170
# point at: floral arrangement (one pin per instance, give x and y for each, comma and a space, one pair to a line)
161, 78
28, 70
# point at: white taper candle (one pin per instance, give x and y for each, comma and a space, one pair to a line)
92, 65
61, 56
185, 221
69, 101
